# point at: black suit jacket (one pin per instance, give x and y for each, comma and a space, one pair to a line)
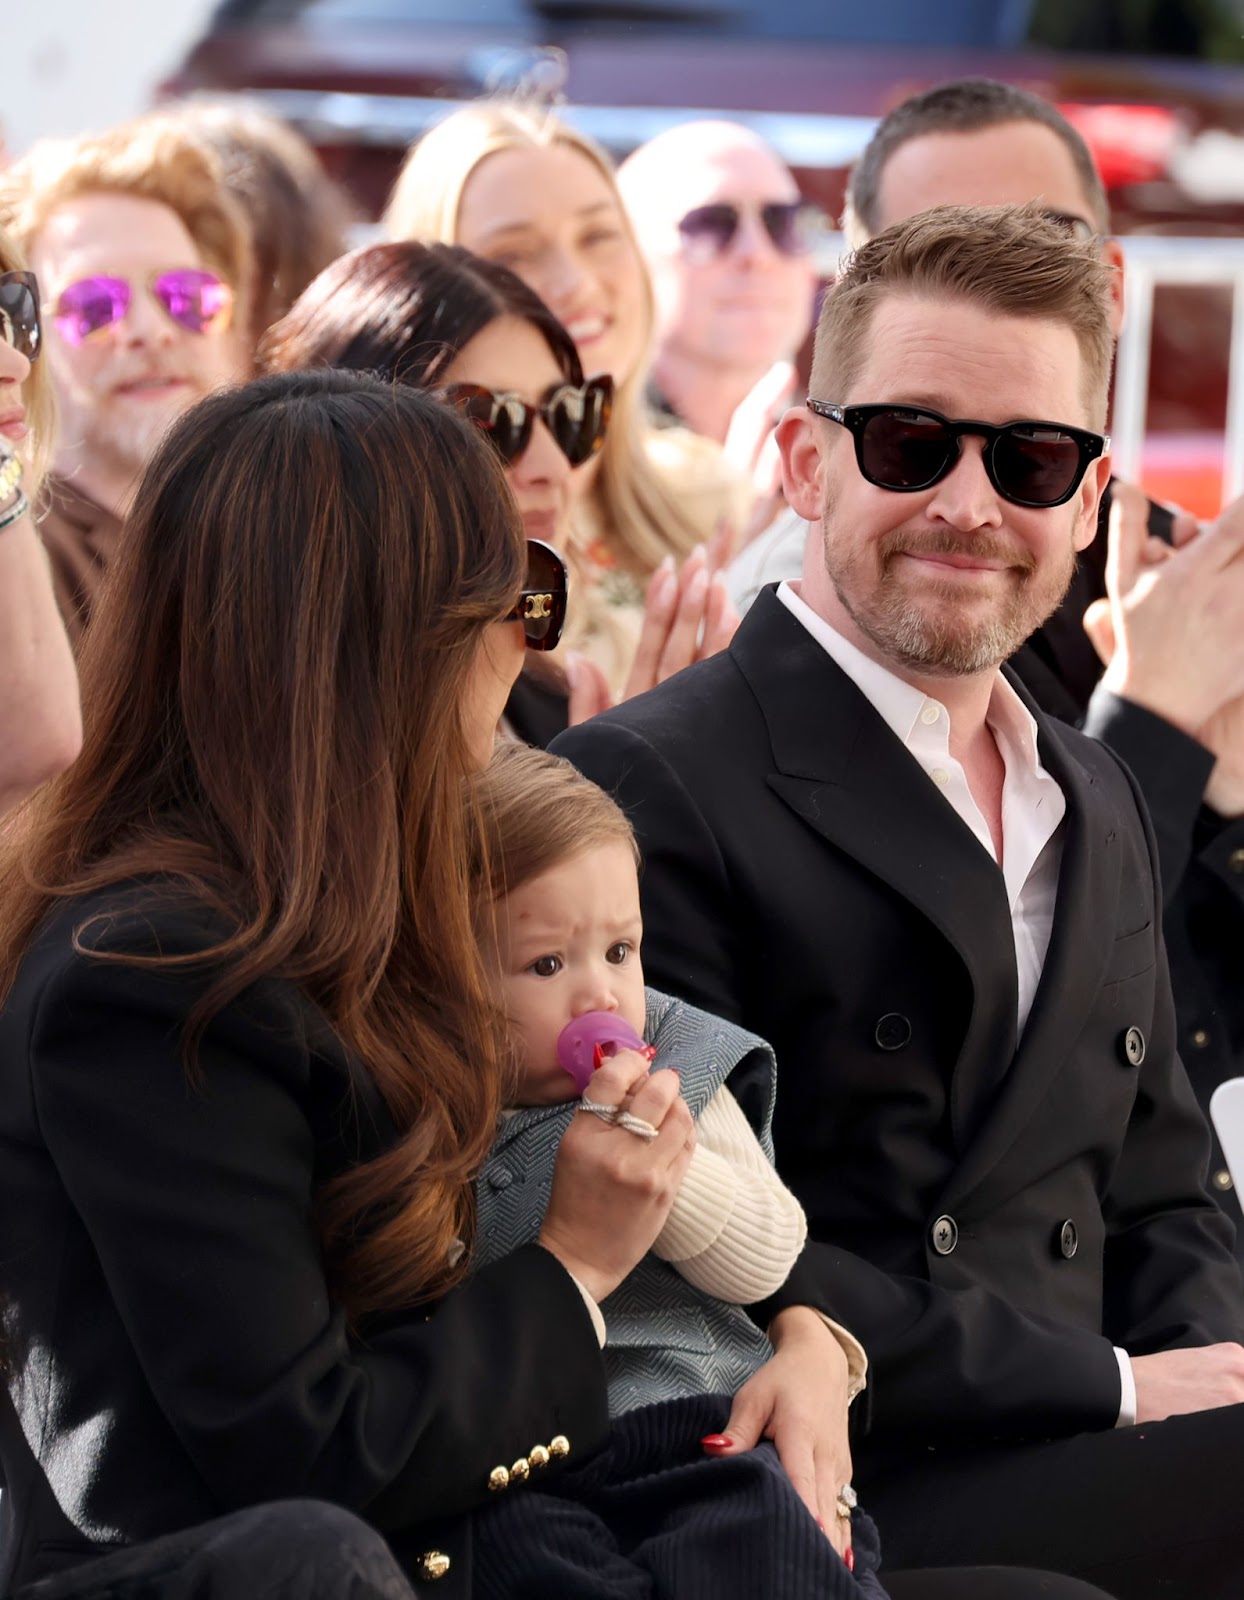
174, 1352
989, 1217
1201, 854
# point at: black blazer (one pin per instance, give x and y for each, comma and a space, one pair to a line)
990, 1217
1201, 854
174, 1352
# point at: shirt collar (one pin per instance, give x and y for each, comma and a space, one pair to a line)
899, 703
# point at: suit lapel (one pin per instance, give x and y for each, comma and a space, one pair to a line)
1080, 947
841, 769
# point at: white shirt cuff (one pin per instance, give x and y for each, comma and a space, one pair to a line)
593, 1311
1127, 1390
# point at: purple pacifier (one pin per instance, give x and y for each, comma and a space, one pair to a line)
585, 1041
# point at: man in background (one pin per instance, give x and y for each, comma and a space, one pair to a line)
142, 258
728, 243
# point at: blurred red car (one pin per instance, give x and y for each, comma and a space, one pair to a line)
1157, 90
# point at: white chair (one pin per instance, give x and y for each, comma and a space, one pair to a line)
1226, 1110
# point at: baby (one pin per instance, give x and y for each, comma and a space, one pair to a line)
559, 920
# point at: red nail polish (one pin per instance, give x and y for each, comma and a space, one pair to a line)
717, 1441
820, 1525
649, 1052
598, 1056
848, 1555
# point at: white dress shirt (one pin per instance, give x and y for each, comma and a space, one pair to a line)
1033, 807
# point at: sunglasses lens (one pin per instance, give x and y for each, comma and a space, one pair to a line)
579, 418
904, 449
196, 301
542, 605
789, 225
89, 306
708, 230
1036, 466
19, 313
503, 417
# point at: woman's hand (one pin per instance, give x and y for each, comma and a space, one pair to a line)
687, 617
799, 1400
612, 1190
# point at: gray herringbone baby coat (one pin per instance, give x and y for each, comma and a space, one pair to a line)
665, 1338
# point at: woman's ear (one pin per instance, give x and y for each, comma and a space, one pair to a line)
800, 438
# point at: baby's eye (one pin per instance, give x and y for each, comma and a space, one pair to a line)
617, 953
546, 966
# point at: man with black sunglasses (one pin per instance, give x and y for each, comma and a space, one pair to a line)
140, 253
728, 243
1164, 706
865, 842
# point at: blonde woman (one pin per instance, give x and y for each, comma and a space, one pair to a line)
40, 721
655, 512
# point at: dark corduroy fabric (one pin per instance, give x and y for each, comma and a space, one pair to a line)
650, 1517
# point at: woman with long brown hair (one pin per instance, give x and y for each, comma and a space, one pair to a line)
248, 1064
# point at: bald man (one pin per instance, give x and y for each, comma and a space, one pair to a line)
727, 240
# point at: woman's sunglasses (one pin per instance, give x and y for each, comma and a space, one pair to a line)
19, 313
576, 415
708, 231
906, 449
196, 300
541, 604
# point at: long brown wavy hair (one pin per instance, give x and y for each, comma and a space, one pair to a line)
272, 691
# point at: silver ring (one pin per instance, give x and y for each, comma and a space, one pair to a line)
641, 1128
847, 1501
607, 1114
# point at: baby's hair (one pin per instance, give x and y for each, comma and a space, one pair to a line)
535, 811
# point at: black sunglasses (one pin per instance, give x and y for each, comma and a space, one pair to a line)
577, 415
709, 231
906, 449
19, 313
541, 604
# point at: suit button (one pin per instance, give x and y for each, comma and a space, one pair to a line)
1132, 1047
538, 1455
1200, 1038
892, 1032
945, 1233
1236, 861
434, 1565
1068, 1240
499, 1478
1222, 1180
559, 1446
501, 1179
520, 1471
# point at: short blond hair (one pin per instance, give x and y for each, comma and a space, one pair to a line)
151, 158
1008, 260
36, 393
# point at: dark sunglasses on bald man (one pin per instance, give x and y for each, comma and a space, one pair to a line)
19, 313
709, 231
577, 415
541, 604
907, 448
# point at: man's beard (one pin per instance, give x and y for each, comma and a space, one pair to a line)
947, 639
